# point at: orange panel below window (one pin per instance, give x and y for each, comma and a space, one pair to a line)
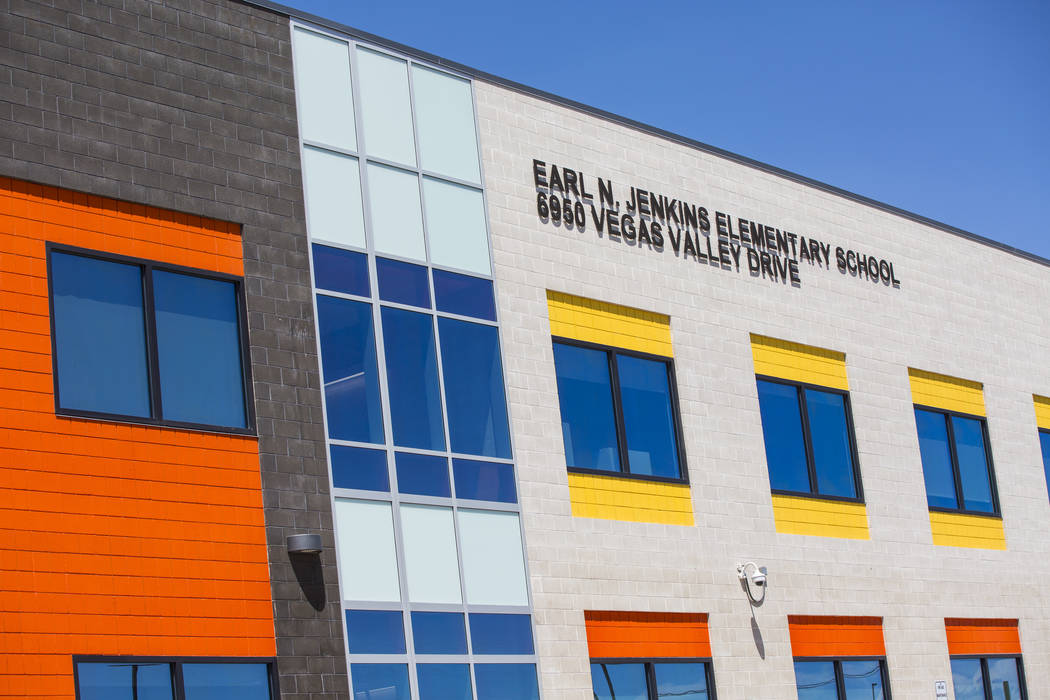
982, 636
820, 635
637, 635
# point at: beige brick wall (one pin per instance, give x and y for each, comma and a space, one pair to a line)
963, 309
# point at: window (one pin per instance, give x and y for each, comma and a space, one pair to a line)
124, 678
956, 461
841, 679
988, 678
636, 679
808, 433
619, 411
147, 342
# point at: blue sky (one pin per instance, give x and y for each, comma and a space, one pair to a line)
941, 108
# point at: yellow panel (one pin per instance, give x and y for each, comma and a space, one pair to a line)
800, 363
609, 324
947, 393
958, 530
1042, 411
813, 516
634, 500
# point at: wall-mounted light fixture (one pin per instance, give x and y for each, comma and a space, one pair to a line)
756, 577
304, 544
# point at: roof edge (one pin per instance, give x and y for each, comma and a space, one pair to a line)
481, 75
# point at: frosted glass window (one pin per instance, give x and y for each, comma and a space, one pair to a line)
493, 562
322, 81
333, 197
397, 220
367, 563
456, 226
432, 568
445, 123
386, 111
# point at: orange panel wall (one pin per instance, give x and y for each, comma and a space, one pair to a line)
114, 538
981, 636
820, 635
636, 635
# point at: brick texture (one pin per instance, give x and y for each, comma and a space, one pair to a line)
188, 105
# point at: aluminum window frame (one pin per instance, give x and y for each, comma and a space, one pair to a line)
611, 352
840, 681
997, 512
807, 440
983, 658
156, 418
650, 673
176, 663
393, 496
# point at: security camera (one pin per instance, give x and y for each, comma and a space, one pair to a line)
759, 577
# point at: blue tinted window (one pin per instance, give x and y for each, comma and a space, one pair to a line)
100, 336
439, 633
973, 464
1005, 679
464, 295
500, 634
403, 283
199, 350
341, 270
477, 406
424, 475
348, 360
968, 679
648, 417
619, 682
380, 681
359, 468
863, 680
412, 379
680, 680
815, 680
484, 481
782, 432
588, 423
506, 681
124, 680
830, 438
936, 459
375, 631
444, 681
226, 681
1044, 442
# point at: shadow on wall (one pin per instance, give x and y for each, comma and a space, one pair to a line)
310, 575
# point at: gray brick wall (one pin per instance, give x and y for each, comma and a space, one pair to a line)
189, 105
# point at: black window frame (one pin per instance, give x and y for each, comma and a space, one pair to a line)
956, 476
984, 671
152, 360
1046, 465
178, 691
611, 351
807, 439
840, 679
650, 673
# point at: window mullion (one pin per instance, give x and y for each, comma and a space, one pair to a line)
152, 353
650, 680
840, 681
177, 681
956, 476
986, 679
621, 429
807, 439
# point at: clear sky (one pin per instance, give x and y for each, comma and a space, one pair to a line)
938, 107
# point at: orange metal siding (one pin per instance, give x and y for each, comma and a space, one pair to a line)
982, 636
114, 538
820, 635
636, 635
